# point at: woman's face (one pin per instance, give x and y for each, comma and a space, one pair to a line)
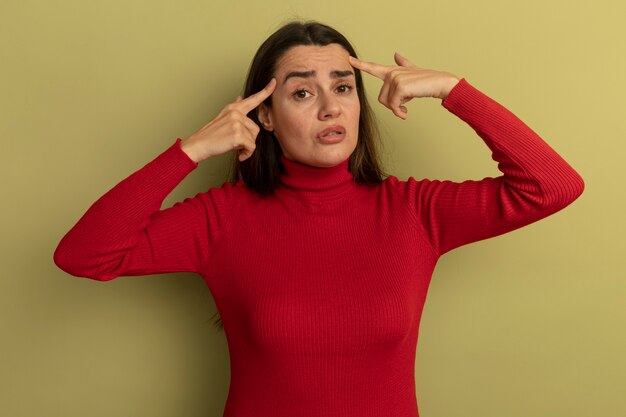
315, 91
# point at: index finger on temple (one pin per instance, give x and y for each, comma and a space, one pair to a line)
251, 102
372, 68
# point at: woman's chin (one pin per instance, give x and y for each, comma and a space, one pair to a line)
325, 156
331, 158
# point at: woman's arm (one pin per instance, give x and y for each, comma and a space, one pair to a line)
125, 233
536, 181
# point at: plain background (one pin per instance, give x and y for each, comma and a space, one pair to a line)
526, 324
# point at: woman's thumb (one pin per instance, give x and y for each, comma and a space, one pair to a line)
402, 61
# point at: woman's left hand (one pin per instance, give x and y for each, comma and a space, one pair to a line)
405, 81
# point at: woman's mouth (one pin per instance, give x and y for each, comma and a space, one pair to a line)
332, 134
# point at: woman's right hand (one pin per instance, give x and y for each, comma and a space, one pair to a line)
230, 129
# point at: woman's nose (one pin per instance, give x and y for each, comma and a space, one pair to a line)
329, 107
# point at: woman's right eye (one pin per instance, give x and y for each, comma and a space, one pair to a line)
300, 94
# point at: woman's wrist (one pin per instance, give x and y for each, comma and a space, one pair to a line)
450, 84
187, 146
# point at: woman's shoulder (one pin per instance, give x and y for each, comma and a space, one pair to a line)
393, 181
228, 192
218, 203
411, 187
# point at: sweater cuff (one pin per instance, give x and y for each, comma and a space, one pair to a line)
167, 170
182, 156
475, 107
461, 92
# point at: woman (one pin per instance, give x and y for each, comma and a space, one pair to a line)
318, 266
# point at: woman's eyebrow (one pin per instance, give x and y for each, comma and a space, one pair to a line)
311, 73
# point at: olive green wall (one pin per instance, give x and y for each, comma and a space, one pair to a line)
526, 324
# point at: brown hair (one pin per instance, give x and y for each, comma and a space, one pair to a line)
261, 171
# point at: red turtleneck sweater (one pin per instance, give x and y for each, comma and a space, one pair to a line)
321, 286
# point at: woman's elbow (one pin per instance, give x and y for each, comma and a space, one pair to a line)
566, 190
572, 188
63, 260
578, 186
70, 263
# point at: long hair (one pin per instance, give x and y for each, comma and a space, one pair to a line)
261, 171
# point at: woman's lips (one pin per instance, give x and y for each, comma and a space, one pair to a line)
332, 134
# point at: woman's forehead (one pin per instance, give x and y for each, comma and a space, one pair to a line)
313, 57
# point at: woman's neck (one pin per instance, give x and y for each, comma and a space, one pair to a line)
316, 182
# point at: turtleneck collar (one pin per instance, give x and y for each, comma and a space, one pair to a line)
316, 182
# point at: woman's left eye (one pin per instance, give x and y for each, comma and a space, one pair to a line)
345, 88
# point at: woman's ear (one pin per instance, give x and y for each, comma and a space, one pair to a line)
264, 114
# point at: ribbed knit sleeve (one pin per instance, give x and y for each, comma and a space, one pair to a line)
536, 181
125, 233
